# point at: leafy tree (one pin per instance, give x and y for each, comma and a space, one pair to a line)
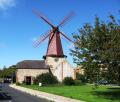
7, 72
97, 49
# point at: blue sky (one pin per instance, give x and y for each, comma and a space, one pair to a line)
19, 26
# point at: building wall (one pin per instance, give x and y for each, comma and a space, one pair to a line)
60, 68
64, 69
68, 70
53, 62
22, 73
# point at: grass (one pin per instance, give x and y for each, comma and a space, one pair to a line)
83, 92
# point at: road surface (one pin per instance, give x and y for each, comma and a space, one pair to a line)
18, 96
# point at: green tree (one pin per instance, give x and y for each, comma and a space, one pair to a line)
97, 49
7, 72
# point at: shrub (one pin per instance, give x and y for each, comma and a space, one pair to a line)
68, 81
18, 83
81, 78
24, 82
77, 82
46, 79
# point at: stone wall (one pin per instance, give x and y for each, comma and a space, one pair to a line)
22, 73
60, 68
54, 61
64, 69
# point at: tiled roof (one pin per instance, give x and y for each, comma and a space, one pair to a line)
32, 64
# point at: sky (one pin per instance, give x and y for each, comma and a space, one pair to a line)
19, 26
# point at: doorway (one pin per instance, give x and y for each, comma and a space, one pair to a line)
28, 80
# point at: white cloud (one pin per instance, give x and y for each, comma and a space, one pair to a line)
5, 4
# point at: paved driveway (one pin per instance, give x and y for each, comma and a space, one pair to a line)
18, 96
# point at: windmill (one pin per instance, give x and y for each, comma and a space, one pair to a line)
54, 44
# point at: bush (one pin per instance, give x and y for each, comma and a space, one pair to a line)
24, 82
68, 81
18, 83
46, 79
81, 78
77, 82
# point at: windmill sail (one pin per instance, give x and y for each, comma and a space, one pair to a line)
54, 45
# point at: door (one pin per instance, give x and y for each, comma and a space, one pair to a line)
28, 80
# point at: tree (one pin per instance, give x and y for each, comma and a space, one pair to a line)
7, 72
97, 49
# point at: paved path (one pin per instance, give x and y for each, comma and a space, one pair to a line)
54, 98
18, 96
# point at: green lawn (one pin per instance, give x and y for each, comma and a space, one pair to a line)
84, 92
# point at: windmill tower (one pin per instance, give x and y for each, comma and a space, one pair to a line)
54, 55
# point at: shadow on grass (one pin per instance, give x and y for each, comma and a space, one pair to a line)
111, 93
